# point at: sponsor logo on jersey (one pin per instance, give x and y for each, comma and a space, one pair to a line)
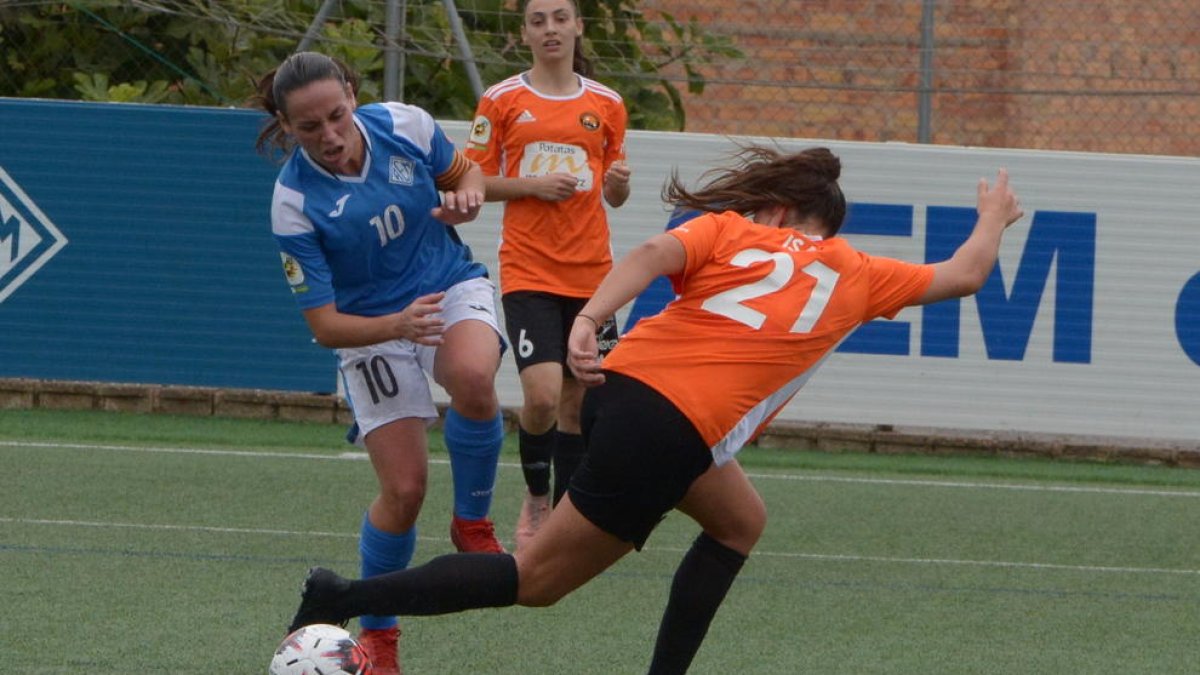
341, 204
590, 121
293, 272
28, 239
543, 157
526, 116
400, 171
481, 131
607, 336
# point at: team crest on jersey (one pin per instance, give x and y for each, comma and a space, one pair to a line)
292, 272
590, 121
400, 171
481, 131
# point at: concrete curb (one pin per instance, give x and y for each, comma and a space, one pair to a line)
20, 394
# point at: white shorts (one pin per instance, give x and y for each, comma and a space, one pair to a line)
389, 381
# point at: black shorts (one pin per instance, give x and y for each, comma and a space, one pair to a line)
538, 325
642, 456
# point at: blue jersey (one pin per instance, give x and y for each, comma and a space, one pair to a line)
368, 243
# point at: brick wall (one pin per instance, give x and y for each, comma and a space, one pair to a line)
1097, 76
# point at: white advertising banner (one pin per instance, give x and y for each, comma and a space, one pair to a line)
1089, 325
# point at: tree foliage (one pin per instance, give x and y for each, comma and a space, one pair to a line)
210, 52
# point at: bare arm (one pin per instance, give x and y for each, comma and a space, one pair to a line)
552, 187
662, 254
616, 184
965, 272
462, 203
336, 330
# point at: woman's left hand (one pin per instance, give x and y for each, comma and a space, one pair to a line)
459, 206
618, 174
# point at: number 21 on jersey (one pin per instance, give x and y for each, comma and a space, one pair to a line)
729, 303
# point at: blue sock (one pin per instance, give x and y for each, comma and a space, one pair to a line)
474, 451
383, 552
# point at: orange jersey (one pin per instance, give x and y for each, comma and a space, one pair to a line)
759, 308
555, 247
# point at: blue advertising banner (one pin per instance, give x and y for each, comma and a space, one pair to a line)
135, 247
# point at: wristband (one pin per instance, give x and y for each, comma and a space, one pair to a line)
585, 316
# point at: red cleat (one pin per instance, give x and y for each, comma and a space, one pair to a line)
382, 645
474, 536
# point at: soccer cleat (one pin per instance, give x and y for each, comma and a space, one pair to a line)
474, 536
382, 645
534, 511
317, 598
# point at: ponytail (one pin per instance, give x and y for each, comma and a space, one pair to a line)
296, 71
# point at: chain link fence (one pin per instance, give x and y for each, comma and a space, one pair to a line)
1085, 75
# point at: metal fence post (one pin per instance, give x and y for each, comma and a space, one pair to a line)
925, 96
393, 56
314, 28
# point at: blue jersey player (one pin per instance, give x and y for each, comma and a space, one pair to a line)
363, 211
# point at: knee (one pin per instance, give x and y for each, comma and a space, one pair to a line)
568, 419
402, 496
755, 521
540, 409
473, 394
743, 531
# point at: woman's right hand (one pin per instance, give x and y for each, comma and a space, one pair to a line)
555, 187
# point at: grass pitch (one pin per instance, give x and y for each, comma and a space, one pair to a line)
146, 543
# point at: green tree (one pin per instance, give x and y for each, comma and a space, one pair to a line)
210, 52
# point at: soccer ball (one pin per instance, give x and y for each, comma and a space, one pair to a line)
320, 649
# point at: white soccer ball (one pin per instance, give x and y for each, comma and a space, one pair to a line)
320, 649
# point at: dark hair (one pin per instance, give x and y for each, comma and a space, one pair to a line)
296, 71
805, 181
580, 63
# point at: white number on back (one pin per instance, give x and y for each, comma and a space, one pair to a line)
729, 303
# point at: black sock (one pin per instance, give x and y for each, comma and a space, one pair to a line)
701, 582
568, 453
446, 584
536, 453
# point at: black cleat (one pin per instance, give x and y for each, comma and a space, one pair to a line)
318, 599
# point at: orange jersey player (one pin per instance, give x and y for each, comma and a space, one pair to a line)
560, 247
551, 142
784, 299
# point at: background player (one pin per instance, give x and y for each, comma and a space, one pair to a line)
551, 142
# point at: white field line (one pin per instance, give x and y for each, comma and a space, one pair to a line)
976, 485
769, 554
817, 478
360, 456
981, 563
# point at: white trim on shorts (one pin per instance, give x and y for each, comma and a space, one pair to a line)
390, 380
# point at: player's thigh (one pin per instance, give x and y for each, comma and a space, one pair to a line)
724, 502
567, 552
468, 357
466, 362
536, 327
383, 383
542, 384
